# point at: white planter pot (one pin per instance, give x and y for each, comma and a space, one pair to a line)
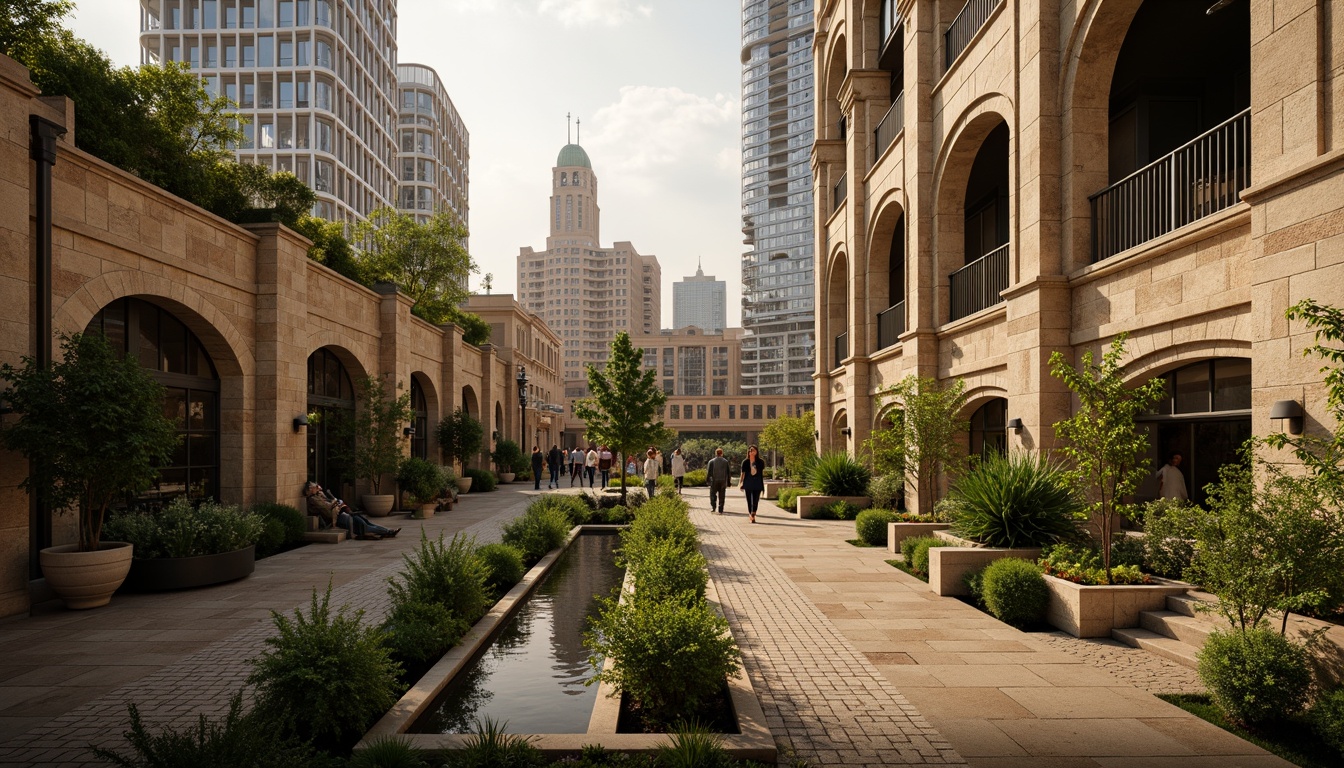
463, 484
506, 477
377, 505
86, 579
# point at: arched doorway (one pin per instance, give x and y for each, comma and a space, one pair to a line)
331, 409
989, 428
175, 358
419, 420
1205, 417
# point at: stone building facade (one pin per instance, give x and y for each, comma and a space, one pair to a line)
997, 181
270, 336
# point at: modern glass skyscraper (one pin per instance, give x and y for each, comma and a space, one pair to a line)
701, 301
778, 314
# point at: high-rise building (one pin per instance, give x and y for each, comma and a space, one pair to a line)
319, 82
584, 292
778, 313
433, 148
701, 301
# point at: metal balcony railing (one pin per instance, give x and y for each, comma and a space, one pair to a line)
841, 348
892, 124
959, 33
890, 325
978, 284
839, 192
1197, 179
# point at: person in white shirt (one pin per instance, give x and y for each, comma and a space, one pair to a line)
1170, 479
678, 469
651, 469
590, 464
576, 466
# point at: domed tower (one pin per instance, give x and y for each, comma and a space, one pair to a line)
574, 211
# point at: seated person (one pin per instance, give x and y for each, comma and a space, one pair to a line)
333, 511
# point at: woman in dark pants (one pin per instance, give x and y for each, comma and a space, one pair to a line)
538, 459
753, 480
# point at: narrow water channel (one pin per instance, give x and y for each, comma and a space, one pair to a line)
531, 673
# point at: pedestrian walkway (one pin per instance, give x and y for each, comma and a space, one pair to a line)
822, 621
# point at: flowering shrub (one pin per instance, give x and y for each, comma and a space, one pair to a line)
1082, 565
183, 530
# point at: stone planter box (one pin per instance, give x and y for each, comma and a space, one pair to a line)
948, 566
898, 532
1094, 611
808, 503
772, 487
167, 573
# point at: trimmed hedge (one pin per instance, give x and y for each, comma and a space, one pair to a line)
871, 526
1014, 591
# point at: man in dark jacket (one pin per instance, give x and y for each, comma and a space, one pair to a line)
717, 475
538, 459
555, 461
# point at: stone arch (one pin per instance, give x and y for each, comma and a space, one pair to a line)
952, 172
498, 426
836, 309
423, 442
352, 360
837, 68
839, 423
1158, 361
887, 245
470, 403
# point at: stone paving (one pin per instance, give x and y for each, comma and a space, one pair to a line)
1135, 666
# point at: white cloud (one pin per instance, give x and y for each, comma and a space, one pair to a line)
652, 134
578, 13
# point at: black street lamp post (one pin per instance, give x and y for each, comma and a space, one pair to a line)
522, 405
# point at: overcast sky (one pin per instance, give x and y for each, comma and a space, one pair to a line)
657, 84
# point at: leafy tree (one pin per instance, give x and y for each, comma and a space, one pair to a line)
92, 428
330, 246
461, 436
625, 409
508, 456
246, 192
793, 436
1101, 438
924, 441
1322, 456
26, 24
475, 330
698, 451
378, 436
427, 261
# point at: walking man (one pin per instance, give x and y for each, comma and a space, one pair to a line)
555, 461
576, 466
604, 464
717, 474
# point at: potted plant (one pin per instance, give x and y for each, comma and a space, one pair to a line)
93, 431
379, 441
423, 482
461, 436
188, 544
508, 458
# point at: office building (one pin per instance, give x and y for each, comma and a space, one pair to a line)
779, 349
433, 147
701, 301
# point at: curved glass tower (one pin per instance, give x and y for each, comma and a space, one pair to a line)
779, 349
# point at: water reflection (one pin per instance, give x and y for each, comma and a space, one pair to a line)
532, 673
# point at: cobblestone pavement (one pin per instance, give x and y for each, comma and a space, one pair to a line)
1135, 666
67, 676
822, 698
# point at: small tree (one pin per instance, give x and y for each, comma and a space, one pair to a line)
1322, 456
1101, 438
508, 456
427, 261
793, 436
626, 407
461, 436
92, 428
924, 441
378, 431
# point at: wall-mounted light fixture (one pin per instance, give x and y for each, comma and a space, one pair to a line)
816, 435
1290, 410
408, 432
300, 422
846, 431
1015, 425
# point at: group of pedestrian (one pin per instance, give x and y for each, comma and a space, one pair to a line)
580, 465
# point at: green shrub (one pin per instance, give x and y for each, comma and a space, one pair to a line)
838, 474
669, 657
696, 478
1169, 533
482, 480
1082, 565
788, 497
658, 520
614, 515
503, 565
538, 531
450, 575
508, 457
389, 752
669, 571
491, 747
635, 499
283, 526
184, 529
975, 584
1327, 719
1016, 500
1255, 676
419, 478
419, 631
916, 551
324, 678
836, 510
636, 480
238, 739
887, 491
1014, 591
690, 747
577, 509
664, 483
871, 526
1127, 550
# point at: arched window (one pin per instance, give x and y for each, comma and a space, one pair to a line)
989, 428
419, 421
175, 358
564, 179
576, 178
1205, 417
331, 400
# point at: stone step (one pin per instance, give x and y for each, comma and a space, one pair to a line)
1188, 605
1178, 626
1160, 645
329, 536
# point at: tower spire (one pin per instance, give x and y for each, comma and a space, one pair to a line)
578, 130
567, 126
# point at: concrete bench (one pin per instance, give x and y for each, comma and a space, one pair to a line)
319, 535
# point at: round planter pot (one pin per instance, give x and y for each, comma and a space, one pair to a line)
165, 573
423, 512
379, 505
463, 484
506, 477
86, 579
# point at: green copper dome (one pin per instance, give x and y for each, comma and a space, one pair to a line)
573, 155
